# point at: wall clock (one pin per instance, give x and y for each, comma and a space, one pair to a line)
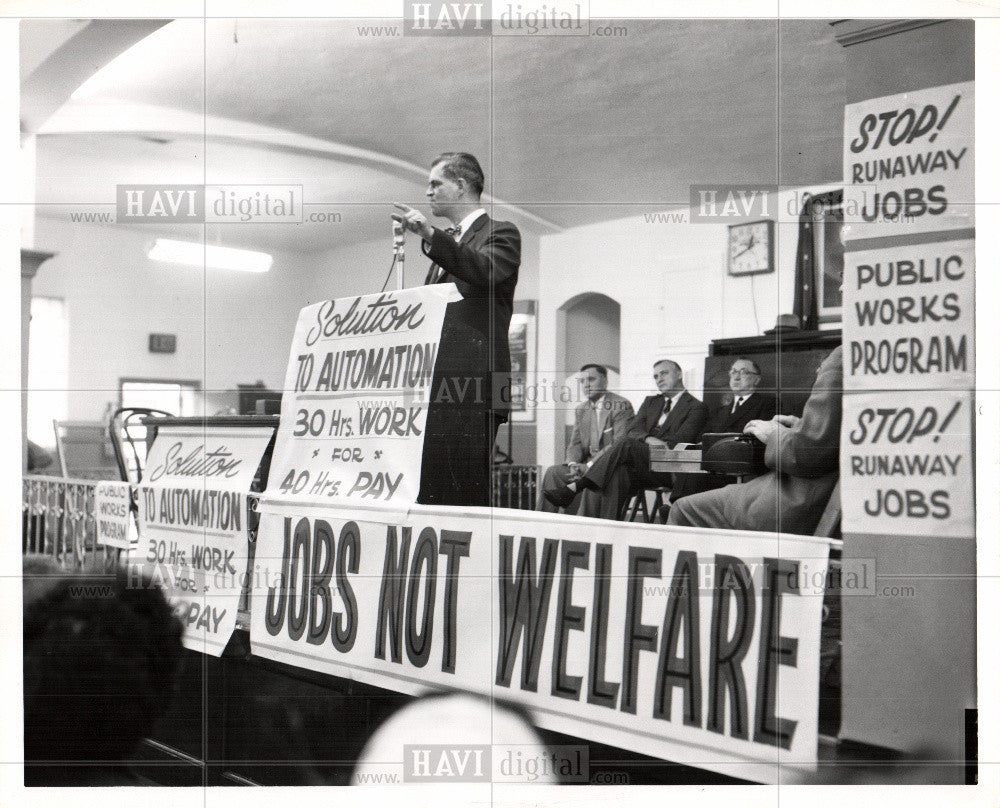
751, 247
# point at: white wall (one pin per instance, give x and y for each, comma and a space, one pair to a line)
676, 296
357, 269
231, 327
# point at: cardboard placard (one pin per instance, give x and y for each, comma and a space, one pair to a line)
193, 524
355, 401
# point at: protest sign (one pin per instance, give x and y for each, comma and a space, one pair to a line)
112, 499
908, 163
907, 447
906, 465
355, 401
193, 524
693, 645
909, 317
909, 314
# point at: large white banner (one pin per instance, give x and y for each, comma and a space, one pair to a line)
693, 645
193, 524
355, 398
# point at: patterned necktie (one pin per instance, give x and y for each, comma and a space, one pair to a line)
665, 413
435, 272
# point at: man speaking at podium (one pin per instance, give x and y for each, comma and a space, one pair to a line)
471, 388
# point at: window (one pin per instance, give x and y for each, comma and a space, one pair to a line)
48, 368
173, 396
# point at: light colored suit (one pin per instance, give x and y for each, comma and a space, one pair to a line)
804, 462
588, 440
612, 413
625, 466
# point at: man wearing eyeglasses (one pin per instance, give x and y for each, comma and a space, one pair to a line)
802, 455
734, 413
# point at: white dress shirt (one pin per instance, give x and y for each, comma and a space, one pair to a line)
466, 223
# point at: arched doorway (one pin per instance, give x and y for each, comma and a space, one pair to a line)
588, 329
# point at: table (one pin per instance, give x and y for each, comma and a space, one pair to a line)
676, 461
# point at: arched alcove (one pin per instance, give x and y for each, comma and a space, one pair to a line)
588, 329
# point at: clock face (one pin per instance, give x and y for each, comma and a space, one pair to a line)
750, 247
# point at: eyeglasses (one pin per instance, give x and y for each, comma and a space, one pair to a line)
743, 373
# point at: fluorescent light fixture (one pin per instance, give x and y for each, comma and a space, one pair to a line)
195, 254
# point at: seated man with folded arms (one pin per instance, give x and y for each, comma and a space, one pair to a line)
730, 416
803, 455
671, 417
600, 420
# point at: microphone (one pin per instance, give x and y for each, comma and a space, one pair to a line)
398, 255
398, 237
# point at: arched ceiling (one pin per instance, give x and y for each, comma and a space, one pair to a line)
570, 130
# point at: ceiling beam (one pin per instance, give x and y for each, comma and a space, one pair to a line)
52, 82
85, 117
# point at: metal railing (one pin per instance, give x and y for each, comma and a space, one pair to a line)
57, 513
57, 519
515, 487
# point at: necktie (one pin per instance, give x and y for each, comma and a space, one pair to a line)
435, 272
665, 413
595, 427
736, 403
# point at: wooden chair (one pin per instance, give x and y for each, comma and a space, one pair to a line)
85, 451
127, 429
829, 522
638, 503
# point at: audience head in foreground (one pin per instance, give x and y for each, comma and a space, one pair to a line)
39, 573
450, 721
101, 653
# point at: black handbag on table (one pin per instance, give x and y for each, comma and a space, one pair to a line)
734, 453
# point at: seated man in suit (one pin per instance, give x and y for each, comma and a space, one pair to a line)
601, 419
803, 455
674, 416
730, 416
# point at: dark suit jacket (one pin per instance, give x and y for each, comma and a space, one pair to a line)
684, 424
473, 345
804, 462
723, 419
757, 407
626, 463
